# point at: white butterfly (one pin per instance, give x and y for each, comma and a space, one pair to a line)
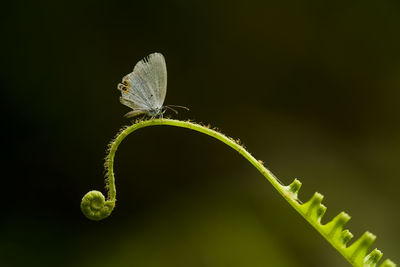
145, 88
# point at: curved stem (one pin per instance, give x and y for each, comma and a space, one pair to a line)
95, 207
192, 126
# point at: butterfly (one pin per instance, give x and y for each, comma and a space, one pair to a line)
145, 88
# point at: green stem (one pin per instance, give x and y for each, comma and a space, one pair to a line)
95, 207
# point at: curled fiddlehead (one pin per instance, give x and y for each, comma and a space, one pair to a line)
95, 207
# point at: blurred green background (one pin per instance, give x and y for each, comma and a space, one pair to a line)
310, 87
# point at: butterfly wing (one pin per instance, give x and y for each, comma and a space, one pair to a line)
145, 88
137, 109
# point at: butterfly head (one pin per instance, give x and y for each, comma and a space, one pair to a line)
156, 112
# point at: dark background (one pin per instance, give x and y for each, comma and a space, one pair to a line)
310, 87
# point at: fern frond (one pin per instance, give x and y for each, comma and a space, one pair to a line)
95, 207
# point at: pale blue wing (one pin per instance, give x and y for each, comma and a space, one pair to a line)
145, 88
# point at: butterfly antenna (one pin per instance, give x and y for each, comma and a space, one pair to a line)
176, 106
174, 110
